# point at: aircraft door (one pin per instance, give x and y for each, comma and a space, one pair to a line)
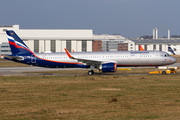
33, 59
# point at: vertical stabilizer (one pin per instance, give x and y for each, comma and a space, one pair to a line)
170, 50
16, 44
141, 48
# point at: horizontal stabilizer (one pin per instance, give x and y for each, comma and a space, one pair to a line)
19, 58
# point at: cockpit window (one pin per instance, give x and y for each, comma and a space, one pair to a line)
167, 55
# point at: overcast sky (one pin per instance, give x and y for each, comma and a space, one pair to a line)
129, 18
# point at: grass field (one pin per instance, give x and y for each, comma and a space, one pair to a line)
90, 97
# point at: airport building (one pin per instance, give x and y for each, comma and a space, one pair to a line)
5, 49
97, 45
112, 43
119, 43
158, 44
46, 40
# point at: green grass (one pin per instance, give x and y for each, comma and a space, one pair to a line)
90, 97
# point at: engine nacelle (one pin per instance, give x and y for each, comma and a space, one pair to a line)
108, 67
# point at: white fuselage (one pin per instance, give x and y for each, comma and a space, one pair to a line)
121, 58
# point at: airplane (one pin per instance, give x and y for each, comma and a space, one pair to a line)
171, 51
141, 48
104, 61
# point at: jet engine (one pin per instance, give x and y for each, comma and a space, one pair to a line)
108, 67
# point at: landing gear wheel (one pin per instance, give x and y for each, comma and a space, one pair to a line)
91, 72
163, 72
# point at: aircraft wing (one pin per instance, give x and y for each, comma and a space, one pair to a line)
89, 62
86, 61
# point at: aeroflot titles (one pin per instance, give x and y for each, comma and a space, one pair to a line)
139, 52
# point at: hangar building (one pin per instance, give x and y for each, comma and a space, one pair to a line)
46, 40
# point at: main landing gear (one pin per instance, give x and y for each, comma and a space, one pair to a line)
91, 72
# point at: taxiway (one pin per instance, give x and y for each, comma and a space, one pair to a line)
14, 71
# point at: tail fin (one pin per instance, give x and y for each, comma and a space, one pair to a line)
141, 48
16, 44
170, 50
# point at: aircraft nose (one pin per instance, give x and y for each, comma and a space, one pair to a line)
173, 60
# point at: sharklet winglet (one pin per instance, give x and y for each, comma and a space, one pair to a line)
68, 54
